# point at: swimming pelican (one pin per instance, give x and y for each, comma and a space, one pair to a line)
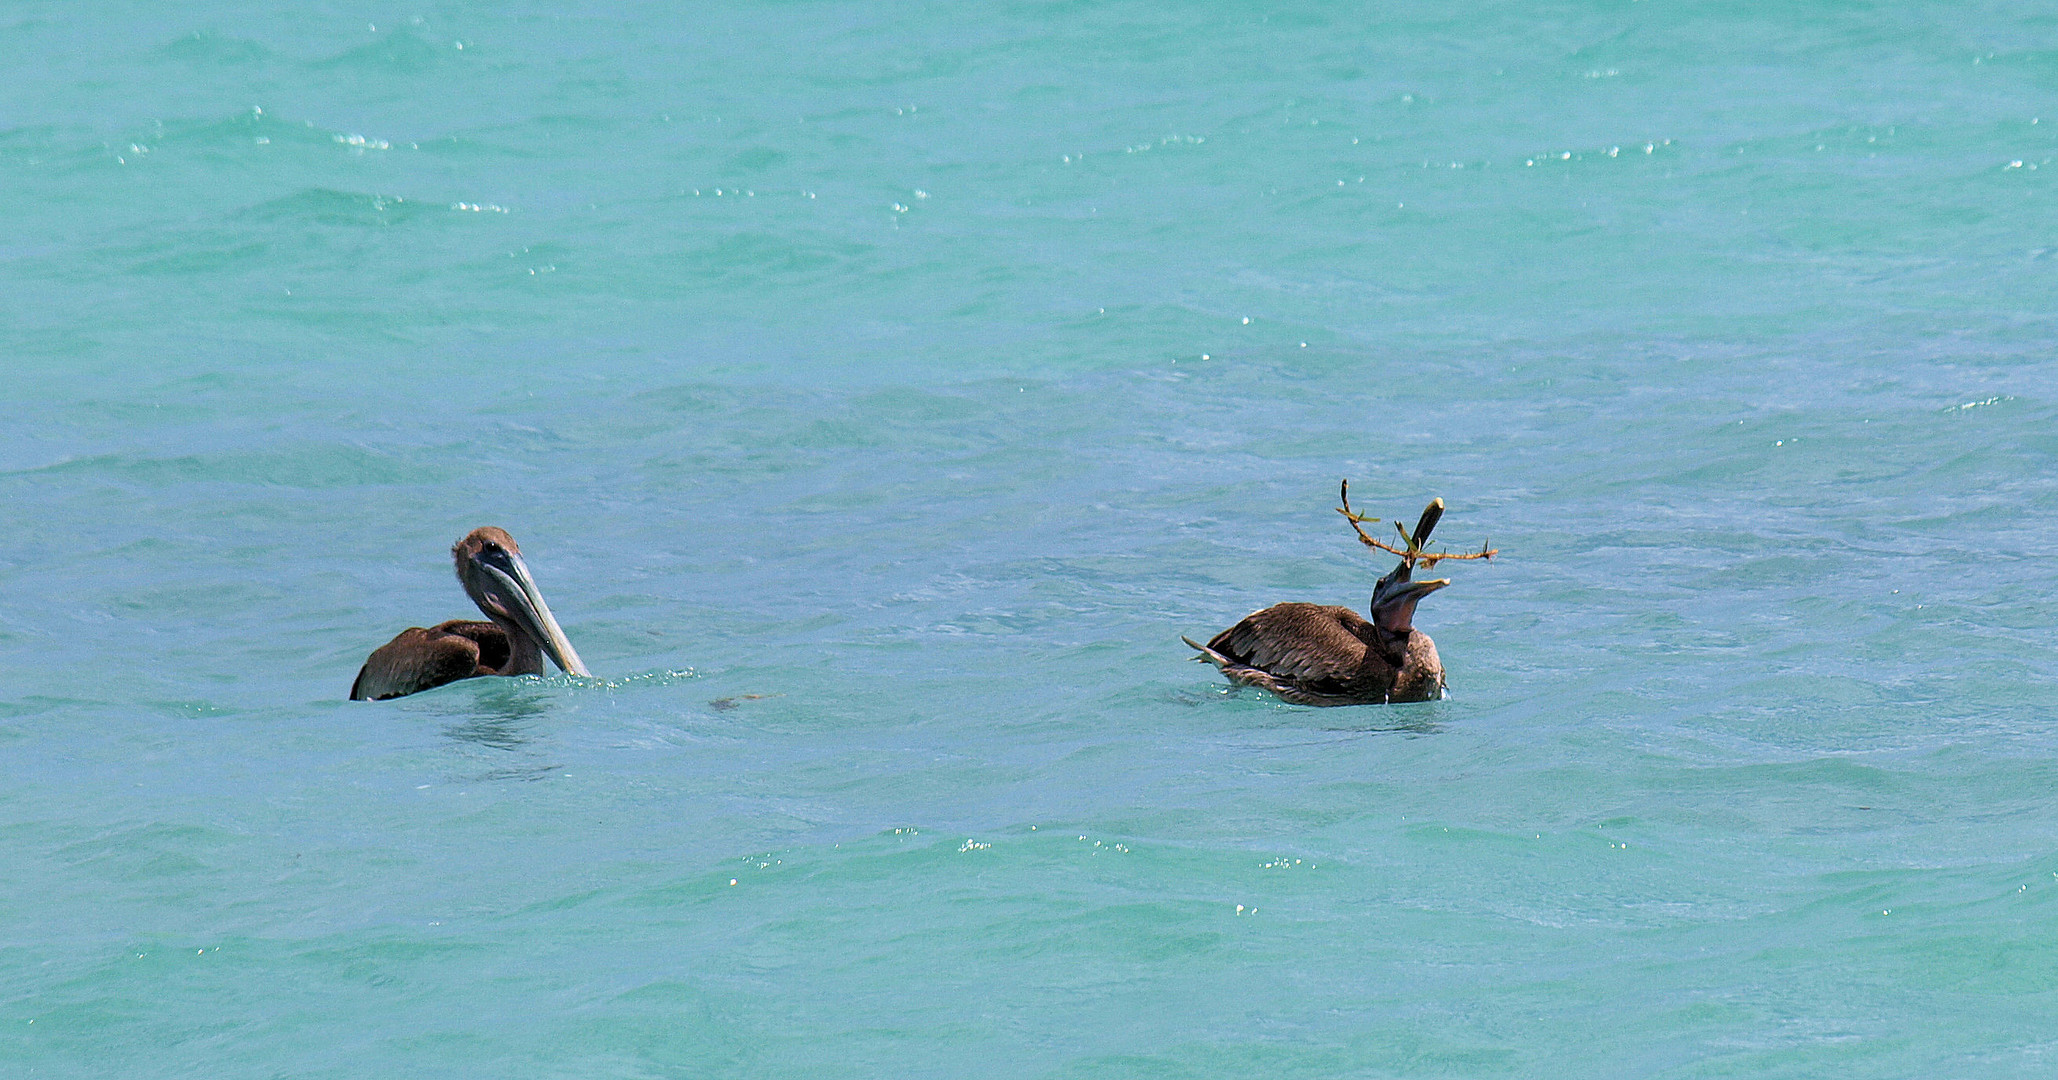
1312, 654
521, 633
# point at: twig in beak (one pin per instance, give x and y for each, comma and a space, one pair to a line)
1413, 553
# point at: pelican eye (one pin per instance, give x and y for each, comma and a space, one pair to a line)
497, 557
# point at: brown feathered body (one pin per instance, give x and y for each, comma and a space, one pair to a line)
1316, 654
423, 659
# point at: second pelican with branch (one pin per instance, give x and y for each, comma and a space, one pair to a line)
1313, 654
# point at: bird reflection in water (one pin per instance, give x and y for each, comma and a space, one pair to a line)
500, 721
1324, 728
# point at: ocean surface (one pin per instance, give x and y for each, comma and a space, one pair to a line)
878, 392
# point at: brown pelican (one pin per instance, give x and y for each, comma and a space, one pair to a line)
521, 633
1311, 654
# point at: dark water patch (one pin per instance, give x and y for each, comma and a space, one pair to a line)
698, 398
34, 705
145, 852
757, 159
210, 49
522, 773
740, 257
327, 206
191, 256
494, 733
14, 135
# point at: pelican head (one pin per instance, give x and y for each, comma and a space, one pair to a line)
491, 568
1395, 597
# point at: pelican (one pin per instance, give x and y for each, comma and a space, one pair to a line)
1312, 654
521, 633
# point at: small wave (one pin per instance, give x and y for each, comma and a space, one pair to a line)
400, 51
306, 466
1978, 404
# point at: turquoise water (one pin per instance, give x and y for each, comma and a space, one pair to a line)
926, 371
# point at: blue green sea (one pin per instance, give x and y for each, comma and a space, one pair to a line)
879, 391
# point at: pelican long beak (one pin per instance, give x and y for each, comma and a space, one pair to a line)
1416, 589
1394, 609
508, 580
